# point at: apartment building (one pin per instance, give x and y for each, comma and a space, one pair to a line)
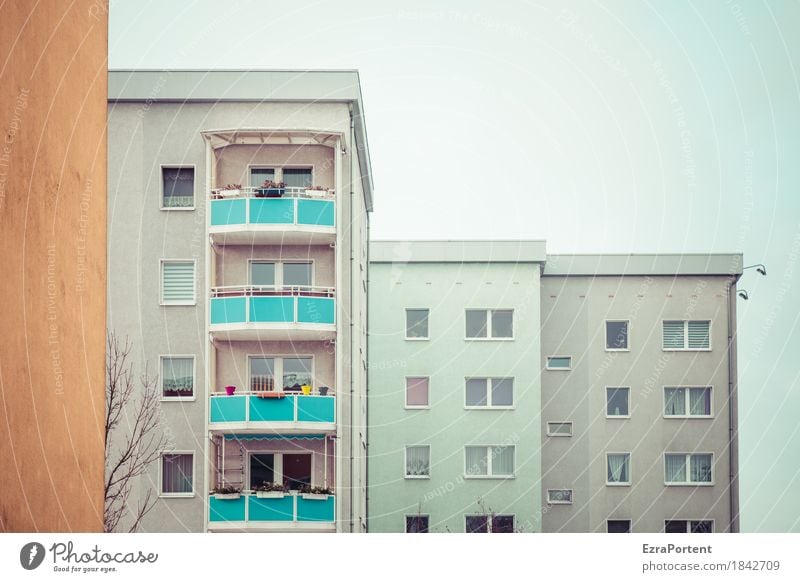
238, 222
512, 390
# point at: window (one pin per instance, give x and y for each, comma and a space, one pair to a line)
618, 469
559, 429
688, 468
177, 376
618, 526
689, 526
297, 373
684, 402
618, 402
417, 392
489, 323
262, 374
489, 461
418, 462
559, 496
262, 469
293, 470
687, 335
489, 523
417, 523
177, 474
297, 177
417, 323
177, 283
259, 175
177, 188
617, 335
559, 362
294, 372
489, 393
262, 273
297, 274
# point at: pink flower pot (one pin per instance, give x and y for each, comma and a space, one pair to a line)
229, 390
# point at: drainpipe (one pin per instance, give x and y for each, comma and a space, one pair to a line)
733, 428
366, 389
352, 206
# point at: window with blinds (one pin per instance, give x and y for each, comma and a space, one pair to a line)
177, 283
687, 335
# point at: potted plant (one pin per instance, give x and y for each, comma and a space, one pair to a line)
268, 490
323, 390
271, 189
227, 492
316, 192
229, 390
320, 493
230, 190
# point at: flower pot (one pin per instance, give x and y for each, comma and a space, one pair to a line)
270, 494
227, 495
229, 193
314, 496
271, 192
323, 390
229, 390
306, 389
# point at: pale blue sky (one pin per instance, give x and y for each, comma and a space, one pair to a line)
621, 126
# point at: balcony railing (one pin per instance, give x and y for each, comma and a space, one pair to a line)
283, 409
262, 207
291, 509
268, 304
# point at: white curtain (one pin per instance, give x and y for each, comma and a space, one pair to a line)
178, 374
503, 461
675, 468
701, 468
674, 401
618, 468
700, 401
476, 461
176, 474
418, 461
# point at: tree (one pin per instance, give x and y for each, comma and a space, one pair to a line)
134, 438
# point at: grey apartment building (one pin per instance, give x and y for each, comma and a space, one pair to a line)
511, 390
238, 214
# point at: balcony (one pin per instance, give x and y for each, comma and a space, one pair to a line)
272, 216
291, 511
286, 413
263, 312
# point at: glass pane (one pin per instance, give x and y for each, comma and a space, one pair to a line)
675, 468
503, 524
502, 391
296, 373
559, 428
700, 401
262, 374
559, 495
502, 323
297, 274
675, 526
702, 526
178, 186
617, 335
262, 469
476, 322
476, 461
619, 526
417, 323
297, 177
259, 175
417, 524
618, 467
262, 273
503, 461
476, 392
418, 461
700, 468
617, 401
559, 362
416, 391
177, 376
296, 470
477, 524
674, 401
176, 473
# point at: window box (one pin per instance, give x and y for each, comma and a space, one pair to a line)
315, 496
224, 496
232, 193
270, 494
319, 193
270, 192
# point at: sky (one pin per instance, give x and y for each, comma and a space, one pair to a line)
614, 127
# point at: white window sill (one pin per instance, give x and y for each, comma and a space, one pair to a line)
178, 399
618, 416
417, 339
688, 416
618, 349
407, 407
686, 349
488, 339
617, 484
489, 407
559, 503
558, 369
176, 495
498, 477
177, 208
179, 304
550, 434
417, 477
704, 484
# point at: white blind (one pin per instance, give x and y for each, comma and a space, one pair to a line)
178, 282
698, 335
673, 335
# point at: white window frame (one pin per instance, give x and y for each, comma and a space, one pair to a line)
489, 472
571, 497
558, 369
161, 169
415, 515
630, 524
311, 167
688, 483
489, 405
630, 470
161, 492
489, 517
605, 335
489, 337
686, 402
279, 369
630, 406
405, 393
277, 469
191, 398
689, 524
405, 324
405, 462
686, 347
279, 269
559, 434
161, 264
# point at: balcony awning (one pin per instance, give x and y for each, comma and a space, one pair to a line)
274, 437
252, 136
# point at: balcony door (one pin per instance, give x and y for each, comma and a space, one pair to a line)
262, 469
297, 470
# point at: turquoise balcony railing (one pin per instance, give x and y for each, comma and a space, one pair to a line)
279, 408
292, 509
279, 207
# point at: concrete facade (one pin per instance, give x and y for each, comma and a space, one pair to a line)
52, 297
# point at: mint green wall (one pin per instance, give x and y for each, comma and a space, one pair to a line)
447, 289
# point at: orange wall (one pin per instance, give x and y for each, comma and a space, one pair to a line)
53, 94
